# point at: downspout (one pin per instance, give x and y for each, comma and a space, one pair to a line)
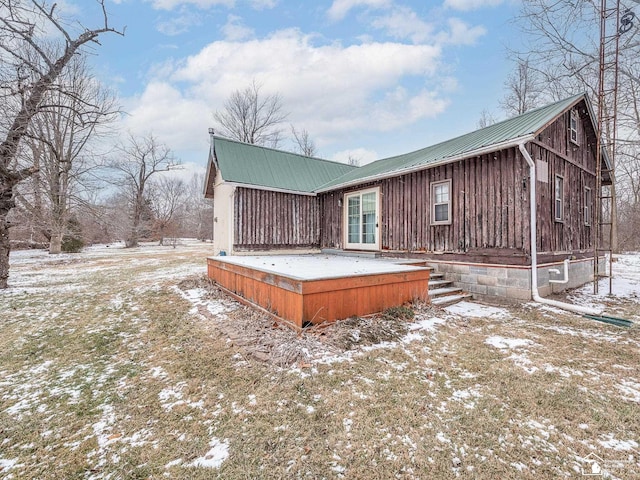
535, 295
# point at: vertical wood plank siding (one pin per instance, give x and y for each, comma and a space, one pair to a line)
275, 220
577, 165
490, 209
488, 198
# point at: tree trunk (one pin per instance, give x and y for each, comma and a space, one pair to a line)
55, 244
6, 204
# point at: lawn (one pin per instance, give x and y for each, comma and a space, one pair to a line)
128, 363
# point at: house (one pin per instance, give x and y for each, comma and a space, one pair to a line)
464, 205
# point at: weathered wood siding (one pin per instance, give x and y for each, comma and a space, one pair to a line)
577, 165
489, 200
490, 203
267, 220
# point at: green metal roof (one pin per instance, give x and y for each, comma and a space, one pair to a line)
269, 168
264, 167
499, 134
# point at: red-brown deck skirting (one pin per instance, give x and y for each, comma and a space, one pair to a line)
319, 300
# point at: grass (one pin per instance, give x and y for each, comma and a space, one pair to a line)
105, 372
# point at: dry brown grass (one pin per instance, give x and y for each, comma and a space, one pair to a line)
109, 375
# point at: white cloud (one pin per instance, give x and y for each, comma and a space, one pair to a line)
403, 22
466, 5
171, 4
340, 8
263, 4
178, 121
361, 155
331, 89
180, 23
461, 33
235, 29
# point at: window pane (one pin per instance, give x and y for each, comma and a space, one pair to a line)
441, 193
354, 219
369, 217
559, 204
442, 212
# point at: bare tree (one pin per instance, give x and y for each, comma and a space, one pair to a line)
167, 197
485, 119
36, 45
305, 146
198, 211
59, 143
251, 117
138, 160
523, 90
353, 160
563, 38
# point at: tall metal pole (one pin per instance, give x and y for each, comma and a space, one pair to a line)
607, 122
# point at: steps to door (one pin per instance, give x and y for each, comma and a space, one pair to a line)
443, 293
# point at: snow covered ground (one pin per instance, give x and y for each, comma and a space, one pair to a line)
118, 363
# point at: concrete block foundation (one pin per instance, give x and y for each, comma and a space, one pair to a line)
514, 281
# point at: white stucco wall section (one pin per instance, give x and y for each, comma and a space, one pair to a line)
223, 215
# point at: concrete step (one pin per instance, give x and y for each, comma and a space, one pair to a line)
433, 284
440, 292
446, 300
436, 276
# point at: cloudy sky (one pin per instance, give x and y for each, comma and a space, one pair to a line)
370, 78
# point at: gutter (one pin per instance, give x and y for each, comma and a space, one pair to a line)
535, 295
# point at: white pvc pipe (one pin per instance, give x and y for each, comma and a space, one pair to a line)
534, 247
566, 273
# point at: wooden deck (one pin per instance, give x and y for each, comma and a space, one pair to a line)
311, 296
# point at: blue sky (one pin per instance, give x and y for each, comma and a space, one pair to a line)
370, 78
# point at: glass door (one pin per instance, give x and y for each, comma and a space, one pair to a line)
362, 220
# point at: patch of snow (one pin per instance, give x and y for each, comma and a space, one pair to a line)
216, 455
158, 372
7, 464
620, 445
317, 266
466, 394
504, 343
173, 463
476, 310
347, 422
631, 390
523, 362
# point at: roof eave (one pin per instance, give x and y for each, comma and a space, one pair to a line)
269, 189
395, 173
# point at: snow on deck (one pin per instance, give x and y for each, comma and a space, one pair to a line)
315, 267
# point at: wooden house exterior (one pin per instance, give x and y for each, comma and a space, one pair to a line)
462, 205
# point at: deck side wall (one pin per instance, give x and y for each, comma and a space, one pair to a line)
323, 300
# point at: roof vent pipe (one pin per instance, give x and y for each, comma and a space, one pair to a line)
535, 295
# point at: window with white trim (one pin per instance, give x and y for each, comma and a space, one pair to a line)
559, 199
441, 203
587, 206
574, 121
